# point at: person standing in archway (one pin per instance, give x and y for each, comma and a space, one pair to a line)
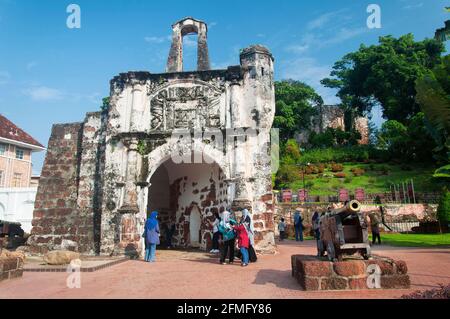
216, 233
151, 236
228, 237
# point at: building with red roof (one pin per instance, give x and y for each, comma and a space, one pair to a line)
16, 148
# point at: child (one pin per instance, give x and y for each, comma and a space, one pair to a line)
282, 228
243, 243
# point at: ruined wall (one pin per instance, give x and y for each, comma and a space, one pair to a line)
201, 186
56, 216
96, 178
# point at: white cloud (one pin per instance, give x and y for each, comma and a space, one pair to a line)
328, 29
322, 20
413, 6
40, 93
31, 65
158, 39
4, 77
190, 41
43, 93
297, 48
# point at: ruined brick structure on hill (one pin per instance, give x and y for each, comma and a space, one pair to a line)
333, 116
102, 176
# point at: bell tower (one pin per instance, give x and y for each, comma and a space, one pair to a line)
179, 30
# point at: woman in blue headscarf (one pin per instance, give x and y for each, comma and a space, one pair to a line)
151, 236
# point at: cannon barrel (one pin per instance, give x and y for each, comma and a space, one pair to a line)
352, 207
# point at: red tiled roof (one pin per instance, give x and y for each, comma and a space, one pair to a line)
10, 131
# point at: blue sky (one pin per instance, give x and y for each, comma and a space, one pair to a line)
52, 74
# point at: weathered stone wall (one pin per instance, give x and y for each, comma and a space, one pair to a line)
313, 273
10, 268
56, 215
94, 189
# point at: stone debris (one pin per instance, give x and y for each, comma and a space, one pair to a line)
60, 257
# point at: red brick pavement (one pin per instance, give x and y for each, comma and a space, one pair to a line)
196, 275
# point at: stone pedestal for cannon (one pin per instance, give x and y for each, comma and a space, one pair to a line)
315, 273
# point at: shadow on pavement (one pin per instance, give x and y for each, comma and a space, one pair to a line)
281, 278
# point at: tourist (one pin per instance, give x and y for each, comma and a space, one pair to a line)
316, 229
282, 229
247, 220
216, 234
374, 225
151, 236
228, 237
243, 243
170, 230
298, 225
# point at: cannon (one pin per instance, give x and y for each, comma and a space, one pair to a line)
344, 232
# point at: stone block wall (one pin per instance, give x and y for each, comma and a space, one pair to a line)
56, 216
10, 268
313, 273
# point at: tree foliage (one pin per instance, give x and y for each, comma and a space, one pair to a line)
433, 96
334, 137
384, 74
410, 142
295, 104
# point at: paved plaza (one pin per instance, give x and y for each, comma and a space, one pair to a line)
193, 274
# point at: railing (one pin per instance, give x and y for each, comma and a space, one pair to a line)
369, 198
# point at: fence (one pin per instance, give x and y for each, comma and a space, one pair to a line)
367, 198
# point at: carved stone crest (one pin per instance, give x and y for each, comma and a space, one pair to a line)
194, 106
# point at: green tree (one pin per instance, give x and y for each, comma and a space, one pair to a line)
384, 74
295, 104
433, 96
443, 211
393, 137
291, 152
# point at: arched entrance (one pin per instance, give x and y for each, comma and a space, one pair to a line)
187, 194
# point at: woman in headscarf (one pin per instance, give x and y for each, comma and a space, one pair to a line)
248, 223
228, 236
151, 236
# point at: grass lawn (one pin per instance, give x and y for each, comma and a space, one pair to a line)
415, 240
376, 179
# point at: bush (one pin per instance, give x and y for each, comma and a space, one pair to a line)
384, 170
359, 153
340, 175
337, 168
357, 171
443, 210
348, 180
320, 168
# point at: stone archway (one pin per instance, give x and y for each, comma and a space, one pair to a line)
189, 194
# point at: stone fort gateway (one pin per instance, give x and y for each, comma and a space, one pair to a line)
103, 176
